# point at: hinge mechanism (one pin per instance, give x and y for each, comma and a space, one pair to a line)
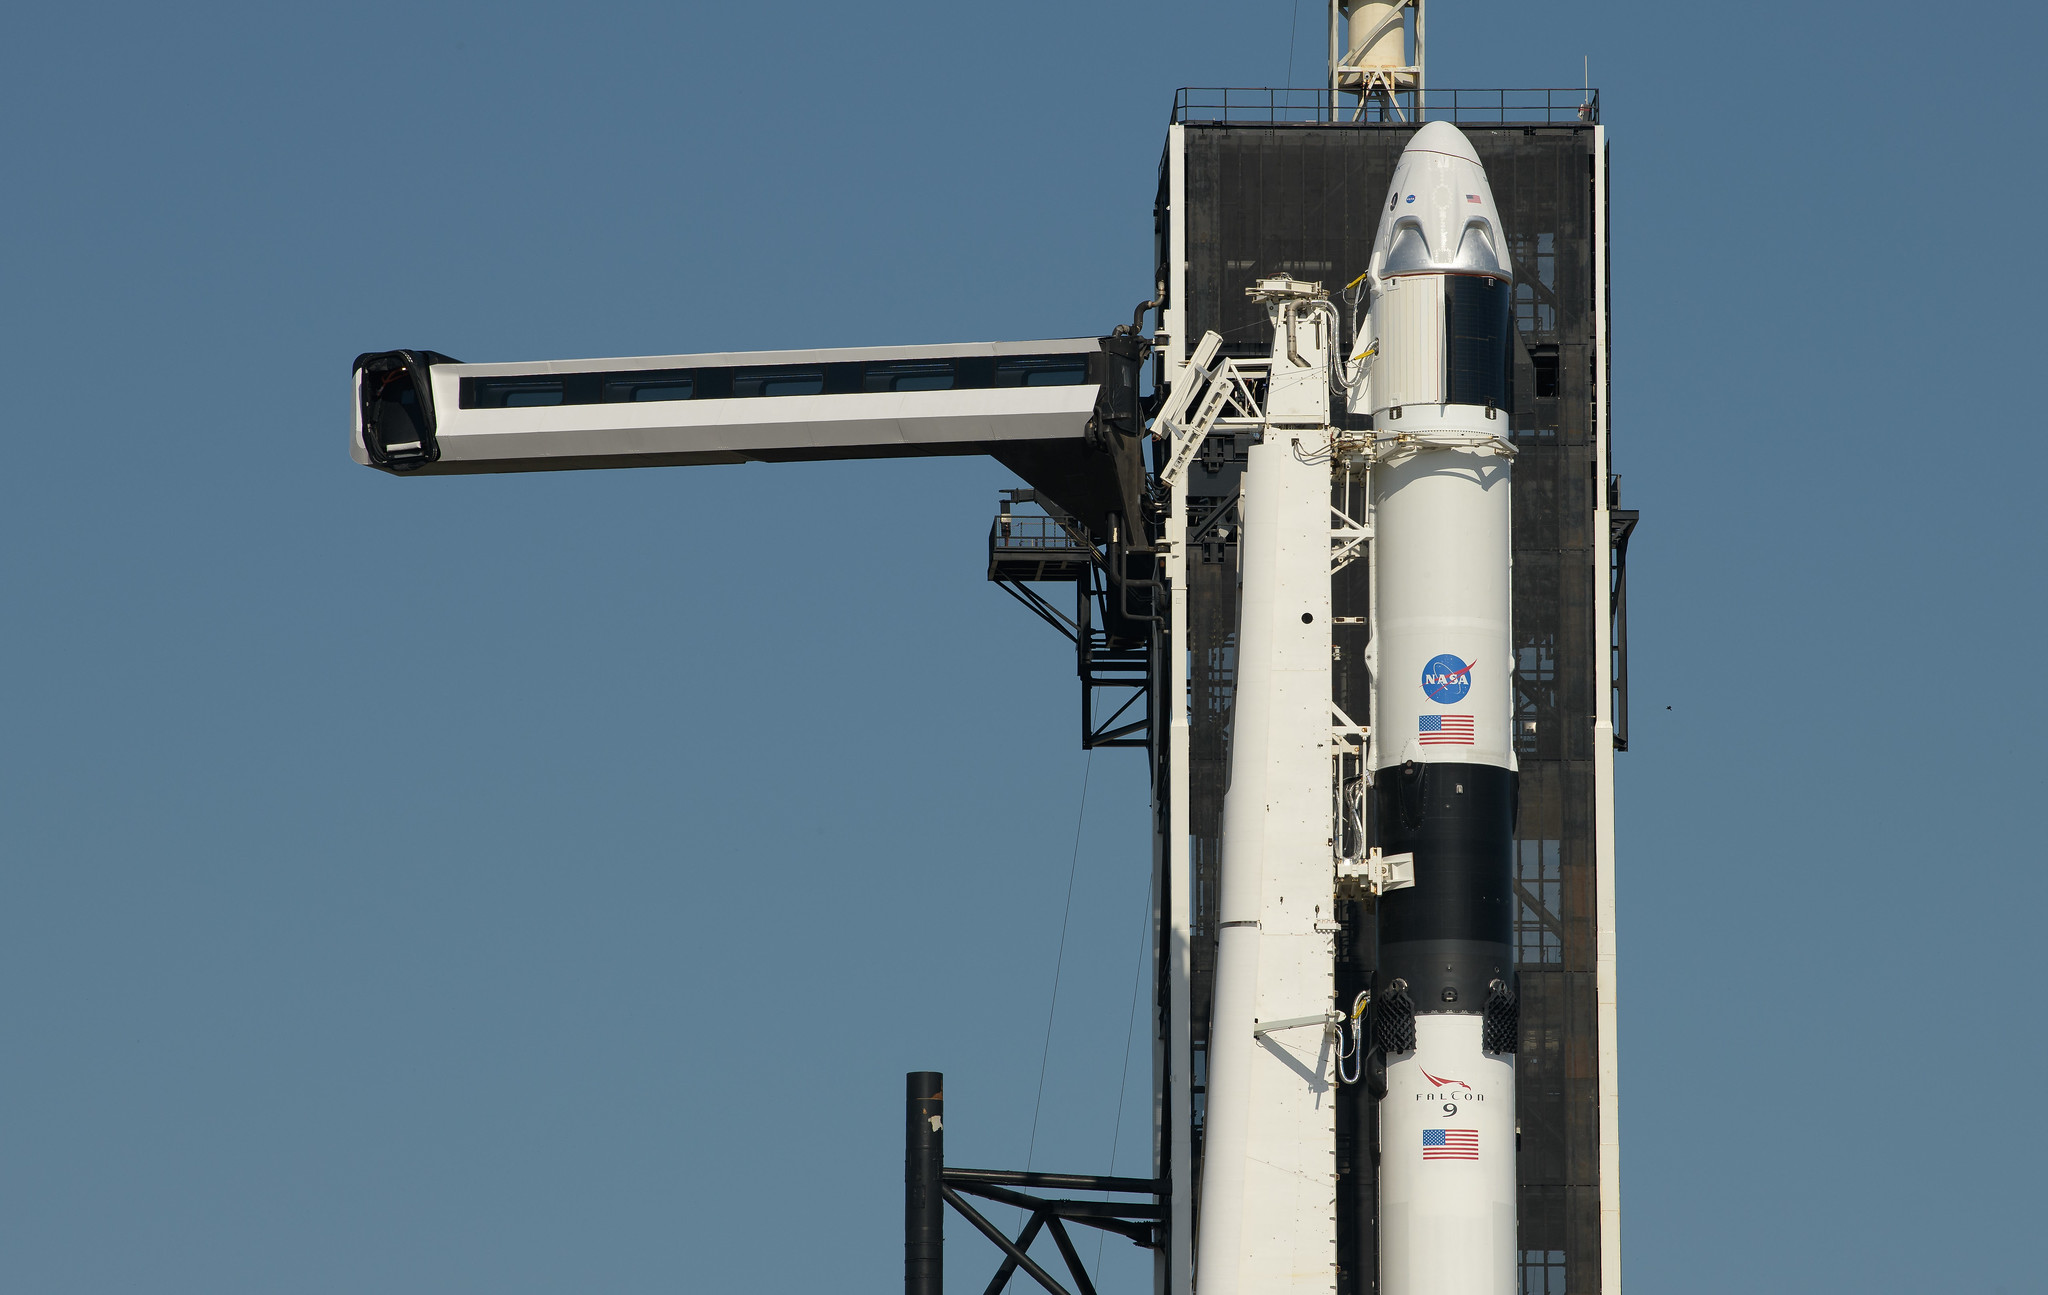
1375, 874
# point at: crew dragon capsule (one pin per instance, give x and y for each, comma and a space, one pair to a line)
1432, 365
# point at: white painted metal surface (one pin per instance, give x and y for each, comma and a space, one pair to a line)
1321, 1020
1441, 607
1442, 490
1379, 873
1412, 373
1377, 33
1605, 988
1447, 1165
708, 431
1269, 1174
1176, 1271
1443, 692
1377, 63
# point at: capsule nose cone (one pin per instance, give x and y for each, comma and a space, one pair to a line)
1440, 216
1442, 137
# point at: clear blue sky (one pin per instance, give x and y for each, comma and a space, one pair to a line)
542, 883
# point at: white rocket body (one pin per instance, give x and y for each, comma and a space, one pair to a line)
1269, 1150
1443, 697
1447, 1203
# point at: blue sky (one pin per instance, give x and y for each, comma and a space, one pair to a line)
542, 883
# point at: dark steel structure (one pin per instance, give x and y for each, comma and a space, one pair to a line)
928, 1187
924, 1167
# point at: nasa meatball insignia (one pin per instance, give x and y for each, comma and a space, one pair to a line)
1446, 679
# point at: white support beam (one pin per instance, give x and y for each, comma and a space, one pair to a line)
1172, 1087
738, 407
1608, 1015
1178, 1266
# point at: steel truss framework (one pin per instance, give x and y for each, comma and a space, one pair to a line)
1112, 624
1136, 1221
929, 1185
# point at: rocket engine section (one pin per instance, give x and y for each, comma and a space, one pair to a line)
1432, 365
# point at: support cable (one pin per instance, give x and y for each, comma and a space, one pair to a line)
1130, 1033
1292, 28
1059, 961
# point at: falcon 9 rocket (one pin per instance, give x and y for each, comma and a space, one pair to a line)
1432, 366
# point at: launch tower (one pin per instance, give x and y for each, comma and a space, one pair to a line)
1256, 182
1347, 436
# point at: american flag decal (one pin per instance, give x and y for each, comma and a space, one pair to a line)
1450, 1144
1472, 197
1444, 730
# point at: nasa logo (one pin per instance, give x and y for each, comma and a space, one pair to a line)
1411, 197
1446, 679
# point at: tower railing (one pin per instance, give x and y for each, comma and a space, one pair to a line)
1311, 106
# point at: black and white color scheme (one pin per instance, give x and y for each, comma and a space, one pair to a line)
1434, 371
1430, 362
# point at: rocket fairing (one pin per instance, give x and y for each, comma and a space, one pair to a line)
1431, 364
